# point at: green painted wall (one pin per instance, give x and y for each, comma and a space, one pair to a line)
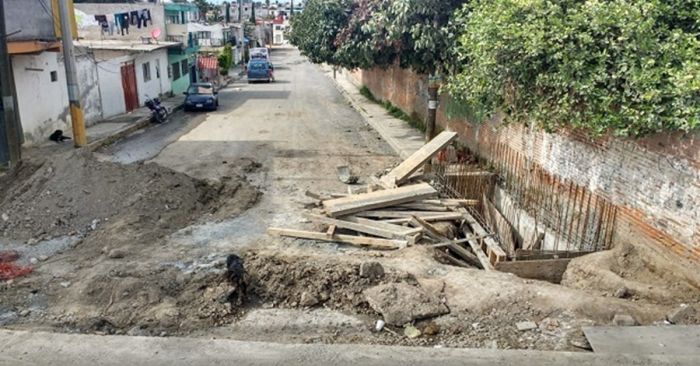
180, 85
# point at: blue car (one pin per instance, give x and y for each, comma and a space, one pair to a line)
201, 96
260, 70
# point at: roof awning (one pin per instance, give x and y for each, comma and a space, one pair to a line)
134, 46
24, 47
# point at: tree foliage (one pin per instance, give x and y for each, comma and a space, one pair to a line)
626, 66
631, 67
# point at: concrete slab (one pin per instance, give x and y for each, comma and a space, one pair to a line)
643, 340
28, 348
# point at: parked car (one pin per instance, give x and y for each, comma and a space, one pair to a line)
260, 70
201, 96
259, 53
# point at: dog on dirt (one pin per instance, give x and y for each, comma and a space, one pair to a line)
235, 272
58, 137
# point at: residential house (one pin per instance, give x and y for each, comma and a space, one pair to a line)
181, 27
279, 26
130, 57
38, 72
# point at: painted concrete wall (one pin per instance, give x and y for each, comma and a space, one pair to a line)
30, 18
179, 85
95, 32
654, 182
43, 104
110, 82
156, 86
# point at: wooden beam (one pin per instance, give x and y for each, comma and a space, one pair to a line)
404, 214
429, 218
375, 230
500, 226
422, 207
452, 202
434, 233
399, 231
476, 248
401, 173
368, 201
523, 254
550, 270
495, 252
372, 243
331, 231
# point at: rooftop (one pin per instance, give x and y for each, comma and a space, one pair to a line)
117, 45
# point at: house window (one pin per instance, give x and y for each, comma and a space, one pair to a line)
157, 70
54, 76
185, 67
176, 70
147, 71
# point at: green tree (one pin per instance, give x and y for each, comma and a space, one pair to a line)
204, 7
631, 67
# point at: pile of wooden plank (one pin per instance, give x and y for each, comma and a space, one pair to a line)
395, 212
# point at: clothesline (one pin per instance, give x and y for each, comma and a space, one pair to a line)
123, 21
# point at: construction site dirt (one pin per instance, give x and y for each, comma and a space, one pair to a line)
139, 246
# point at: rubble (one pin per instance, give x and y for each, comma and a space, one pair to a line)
371, 270
682, 314
401, 303
624, 320
525, 326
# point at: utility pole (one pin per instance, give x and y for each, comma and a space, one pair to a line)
11, 138
76, 110
240, 11
433, 87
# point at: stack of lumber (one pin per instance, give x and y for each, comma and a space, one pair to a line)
392, 213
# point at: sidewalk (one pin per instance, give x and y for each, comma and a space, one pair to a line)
37, 348
404, 139
107, 131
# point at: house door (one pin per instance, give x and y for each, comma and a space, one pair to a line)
131, 96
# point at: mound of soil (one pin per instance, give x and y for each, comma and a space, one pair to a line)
302, 282
73, 193
635, 272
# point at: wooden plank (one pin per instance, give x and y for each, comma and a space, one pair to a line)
404, 214
373, 243
546, 269
429, 218
331, 231
476, 248
362, 228
500, 226
409, 166
496, 253
368, 201
421, 207
449, 202
398, 230
434, 233
524, 254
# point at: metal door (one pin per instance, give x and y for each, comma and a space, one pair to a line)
131, 96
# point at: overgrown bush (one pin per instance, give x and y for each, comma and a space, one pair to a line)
630, 67
226, 59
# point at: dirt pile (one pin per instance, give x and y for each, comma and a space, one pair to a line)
634, 272
73, 194
302, 282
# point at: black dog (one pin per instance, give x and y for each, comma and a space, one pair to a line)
236, 274
58, 137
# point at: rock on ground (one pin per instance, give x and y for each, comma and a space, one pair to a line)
401, 303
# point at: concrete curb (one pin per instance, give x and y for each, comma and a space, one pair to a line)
118, 135
396, 144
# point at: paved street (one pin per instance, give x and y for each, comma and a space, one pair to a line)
298, 129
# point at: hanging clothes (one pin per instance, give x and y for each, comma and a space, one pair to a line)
104, 25
134, 18
145, 16
122, 22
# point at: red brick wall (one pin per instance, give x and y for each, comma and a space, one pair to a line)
654, 182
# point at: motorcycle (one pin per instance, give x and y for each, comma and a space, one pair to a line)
159, 114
